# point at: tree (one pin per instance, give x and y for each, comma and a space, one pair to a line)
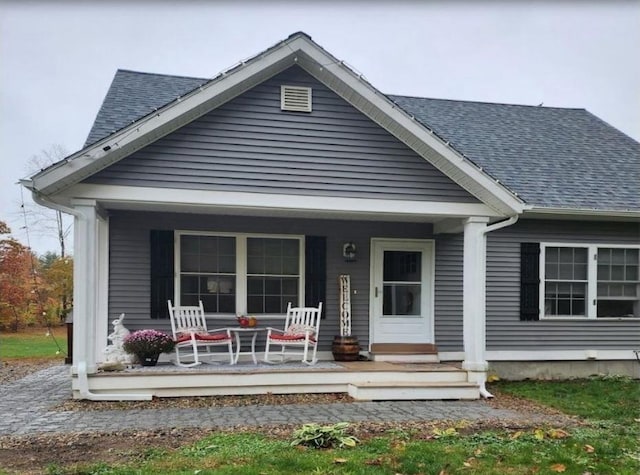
56, 285
45, 221
16, 281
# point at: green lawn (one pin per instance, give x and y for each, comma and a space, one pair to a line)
33, 343
607, 444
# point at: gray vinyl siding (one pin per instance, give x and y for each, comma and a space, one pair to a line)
505, 330
448, 292
129, 287
250, 145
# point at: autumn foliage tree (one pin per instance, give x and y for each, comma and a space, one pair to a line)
32, 291
16, 281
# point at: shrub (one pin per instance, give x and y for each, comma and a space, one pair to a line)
320, 437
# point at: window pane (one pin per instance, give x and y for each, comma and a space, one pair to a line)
632, 273
577, 307
189, 284
604, 272
208, 244
604, 256
227, 264
615, 290
273, 265
603, 290
551, 270
255, 286
616, 308
189, 244
580, 255
290, 286
207, 262
564, 307
401, 266
566, 271
617, 256
227, 285
190, 263
255, 304
552, 255
227, 304
401, 299
580, 272
630, 290
290, 266
272, 286
273, 305
227, 246
566, 255
209, 302
617, 272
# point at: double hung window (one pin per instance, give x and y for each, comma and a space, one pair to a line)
239, 274
590, 281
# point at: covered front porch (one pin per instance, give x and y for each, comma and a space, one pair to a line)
362, 380
446, 316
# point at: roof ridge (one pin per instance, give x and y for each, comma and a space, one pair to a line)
488, 102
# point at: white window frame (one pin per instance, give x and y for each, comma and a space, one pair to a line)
241, 267
591, 299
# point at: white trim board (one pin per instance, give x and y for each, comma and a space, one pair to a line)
546, 355
205, 201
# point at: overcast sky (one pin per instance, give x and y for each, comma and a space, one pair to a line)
57, 59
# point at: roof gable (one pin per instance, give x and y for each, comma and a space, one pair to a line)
297, 49
250, 145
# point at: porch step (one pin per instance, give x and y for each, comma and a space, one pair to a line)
404, 352
397, 391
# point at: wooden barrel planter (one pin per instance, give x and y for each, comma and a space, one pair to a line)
345, 348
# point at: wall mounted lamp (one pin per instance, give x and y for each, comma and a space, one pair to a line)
349, 252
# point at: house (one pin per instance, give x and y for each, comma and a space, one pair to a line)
492, 235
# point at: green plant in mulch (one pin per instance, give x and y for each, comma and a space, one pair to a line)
322, 437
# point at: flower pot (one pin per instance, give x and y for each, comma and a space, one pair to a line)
345, 348
148, 360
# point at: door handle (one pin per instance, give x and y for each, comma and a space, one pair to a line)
376, 292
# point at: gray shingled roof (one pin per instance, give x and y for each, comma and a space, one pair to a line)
551, 157
132, 95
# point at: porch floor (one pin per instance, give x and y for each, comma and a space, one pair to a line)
363, 380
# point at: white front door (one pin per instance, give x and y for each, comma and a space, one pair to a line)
402, 275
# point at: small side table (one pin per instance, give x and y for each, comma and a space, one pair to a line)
238, 331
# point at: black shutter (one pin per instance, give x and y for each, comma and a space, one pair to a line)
161, 272
315, 271
529, 281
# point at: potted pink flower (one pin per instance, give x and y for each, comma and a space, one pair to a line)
147, 345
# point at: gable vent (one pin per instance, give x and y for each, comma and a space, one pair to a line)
295, 98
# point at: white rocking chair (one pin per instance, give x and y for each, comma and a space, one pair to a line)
193, 340
301, 329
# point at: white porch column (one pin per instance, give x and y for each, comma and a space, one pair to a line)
85, 271
474, 294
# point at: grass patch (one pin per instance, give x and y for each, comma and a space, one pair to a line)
607, 444
33, 343
615, 399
